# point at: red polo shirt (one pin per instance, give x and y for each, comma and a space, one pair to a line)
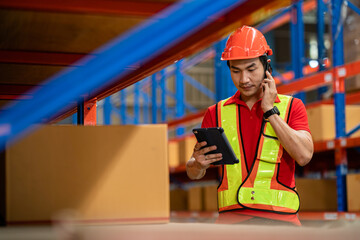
251, 120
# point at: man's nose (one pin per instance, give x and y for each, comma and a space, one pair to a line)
244, 78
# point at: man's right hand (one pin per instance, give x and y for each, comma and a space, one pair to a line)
199, 162
203, 161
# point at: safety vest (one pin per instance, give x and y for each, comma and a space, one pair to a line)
256, 188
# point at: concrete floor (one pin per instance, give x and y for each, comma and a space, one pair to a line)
66, 231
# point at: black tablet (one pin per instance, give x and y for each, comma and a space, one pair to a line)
216, 136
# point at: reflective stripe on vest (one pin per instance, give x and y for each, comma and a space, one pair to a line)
260, 190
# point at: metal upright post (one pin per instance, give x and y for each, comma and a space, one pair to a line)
145, 107
219, 86
223, 83
180, 96
123, 115
80, 112
320, 33
74, 118
154, 98
136, 103
107, 110
297, 43
163, 95
320, 42
339, 100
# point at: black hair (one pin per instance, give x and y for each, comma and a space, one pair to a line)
264, 61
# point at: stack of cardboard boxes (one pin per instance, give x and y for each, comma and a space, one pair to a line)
200, 197
320, 194
104, 173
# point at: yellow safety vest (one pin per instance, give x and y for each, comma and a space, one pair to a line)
257, 188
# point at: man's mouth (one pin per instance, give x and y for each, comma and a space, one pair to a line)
246, 87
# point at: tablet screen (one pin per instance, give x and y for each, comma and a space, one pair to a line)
217, 136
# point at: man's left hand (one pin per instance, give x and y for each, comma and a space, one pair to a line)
270, 93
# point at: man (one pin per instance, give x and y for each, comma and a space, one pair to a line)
267, 131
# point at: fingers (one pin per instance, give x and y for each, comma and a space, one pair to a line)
207, 149
270, 80
203, 160
198, 146
268, 74
202, 151
213, 157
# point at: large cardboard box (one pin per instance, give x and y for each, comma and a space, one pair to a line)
186, 148
178, 200
173, 150
210, 198
322, 121
317, 194
353, 193
104, 173
195, 198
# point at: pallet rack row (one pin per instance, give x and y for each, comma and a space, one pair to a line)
18, 118
334, 77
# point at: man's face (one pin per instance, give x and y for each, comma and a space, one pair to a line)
247, 75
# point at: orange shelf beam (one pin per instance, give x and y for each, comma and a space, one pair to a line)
136, 8
319, 79
306, 7
322, 146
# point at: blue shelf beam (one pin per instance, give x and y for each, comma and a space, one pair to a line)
103, 69
107, 108
80, 112
180, 96
339, 101
123, 110
320, 26
223, 83
297, 43
353, 7
320, 11
154, 98
187, 64
136, 103
199, 86
163, 95
352, 131
145, 107
269, 23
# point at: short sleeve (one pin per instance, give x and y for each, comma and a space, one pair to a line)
298, 119
209, 119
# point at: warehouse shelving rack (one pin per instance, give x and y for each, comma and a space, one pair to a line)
334, 76
13, 122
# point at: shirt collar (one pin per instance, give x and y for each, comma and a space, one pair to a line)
236, 99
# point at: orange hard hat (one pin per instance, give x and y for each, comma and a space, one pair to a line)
246, 42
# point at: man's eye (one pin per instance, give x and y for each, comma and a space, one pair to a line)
234, 71
250, 70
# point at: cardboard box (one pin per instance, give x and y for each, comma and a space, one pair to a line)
317, 194
353, 194
178, 200
322, 121
186, 148
210, 198
173, 150
195, 198
104, 173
